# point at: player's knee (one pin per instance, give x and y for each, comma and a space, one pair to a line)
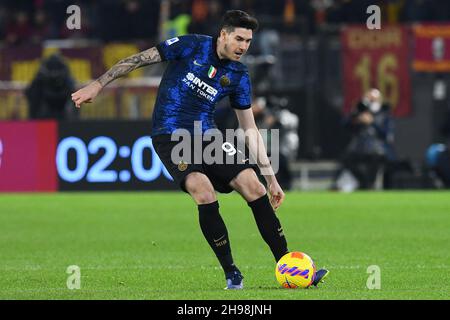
253, 190
200, 188
205, 197
256, 190
249, 186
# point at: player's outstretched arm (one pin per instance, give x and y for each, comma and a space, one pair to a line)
258, 151
121, 68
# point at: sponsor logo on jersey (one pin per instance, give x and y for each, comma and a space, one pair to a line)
201, 87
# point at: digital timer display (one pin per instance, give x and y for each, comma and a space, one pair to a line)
109, 155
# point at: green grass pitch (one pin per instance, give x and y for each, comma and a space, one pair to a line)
149, 246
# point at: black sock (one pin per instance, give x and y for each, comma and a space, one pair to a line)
269, 226
216, 234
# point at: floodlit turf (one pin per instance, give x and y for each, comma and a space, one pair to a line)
149, 246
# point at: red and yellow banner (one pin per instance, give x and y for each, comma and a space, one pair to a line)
431, 48
377, 59
22, 63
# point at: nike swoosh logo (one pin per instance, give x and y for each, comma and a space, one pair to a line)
219, 238
198, 64
281, 229
245, 160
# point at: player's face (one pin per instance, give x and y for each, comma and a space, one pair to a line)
236, 43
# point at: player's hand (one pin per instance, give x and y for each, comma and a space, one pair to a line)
86, 94
276, 194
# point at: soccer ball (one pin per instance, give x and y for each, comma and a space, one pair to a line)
295, 269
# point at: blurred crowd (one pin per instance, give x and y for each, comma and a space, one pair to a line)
24, 22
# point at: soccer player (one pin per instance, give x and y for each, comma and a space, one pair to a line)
201, 71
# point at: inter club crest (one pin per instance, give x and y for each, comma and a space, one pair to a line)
224, 81
182, 166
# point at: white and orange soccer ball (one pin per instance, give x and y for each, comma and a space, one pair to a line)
295, 270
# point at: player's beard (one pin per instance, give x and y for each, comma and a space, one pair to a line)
230, 54
227, 52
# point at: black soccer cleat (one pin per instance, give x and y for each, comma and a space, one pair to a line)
320, 276
234, 280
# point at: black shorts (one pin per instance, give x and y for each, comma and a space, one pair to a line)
220, 174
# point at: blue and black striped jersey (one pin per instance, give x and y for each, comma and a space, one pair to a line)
194, 81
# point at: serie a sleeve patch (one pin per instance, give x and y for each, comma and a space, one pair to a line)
172, 41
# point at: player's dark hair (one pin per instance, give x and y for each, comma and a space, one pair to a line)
238, 19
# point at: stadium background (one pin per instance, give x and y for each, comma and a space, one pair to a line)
312, 58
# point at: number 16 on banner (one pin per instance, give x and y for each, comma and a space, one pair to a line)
377, 59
